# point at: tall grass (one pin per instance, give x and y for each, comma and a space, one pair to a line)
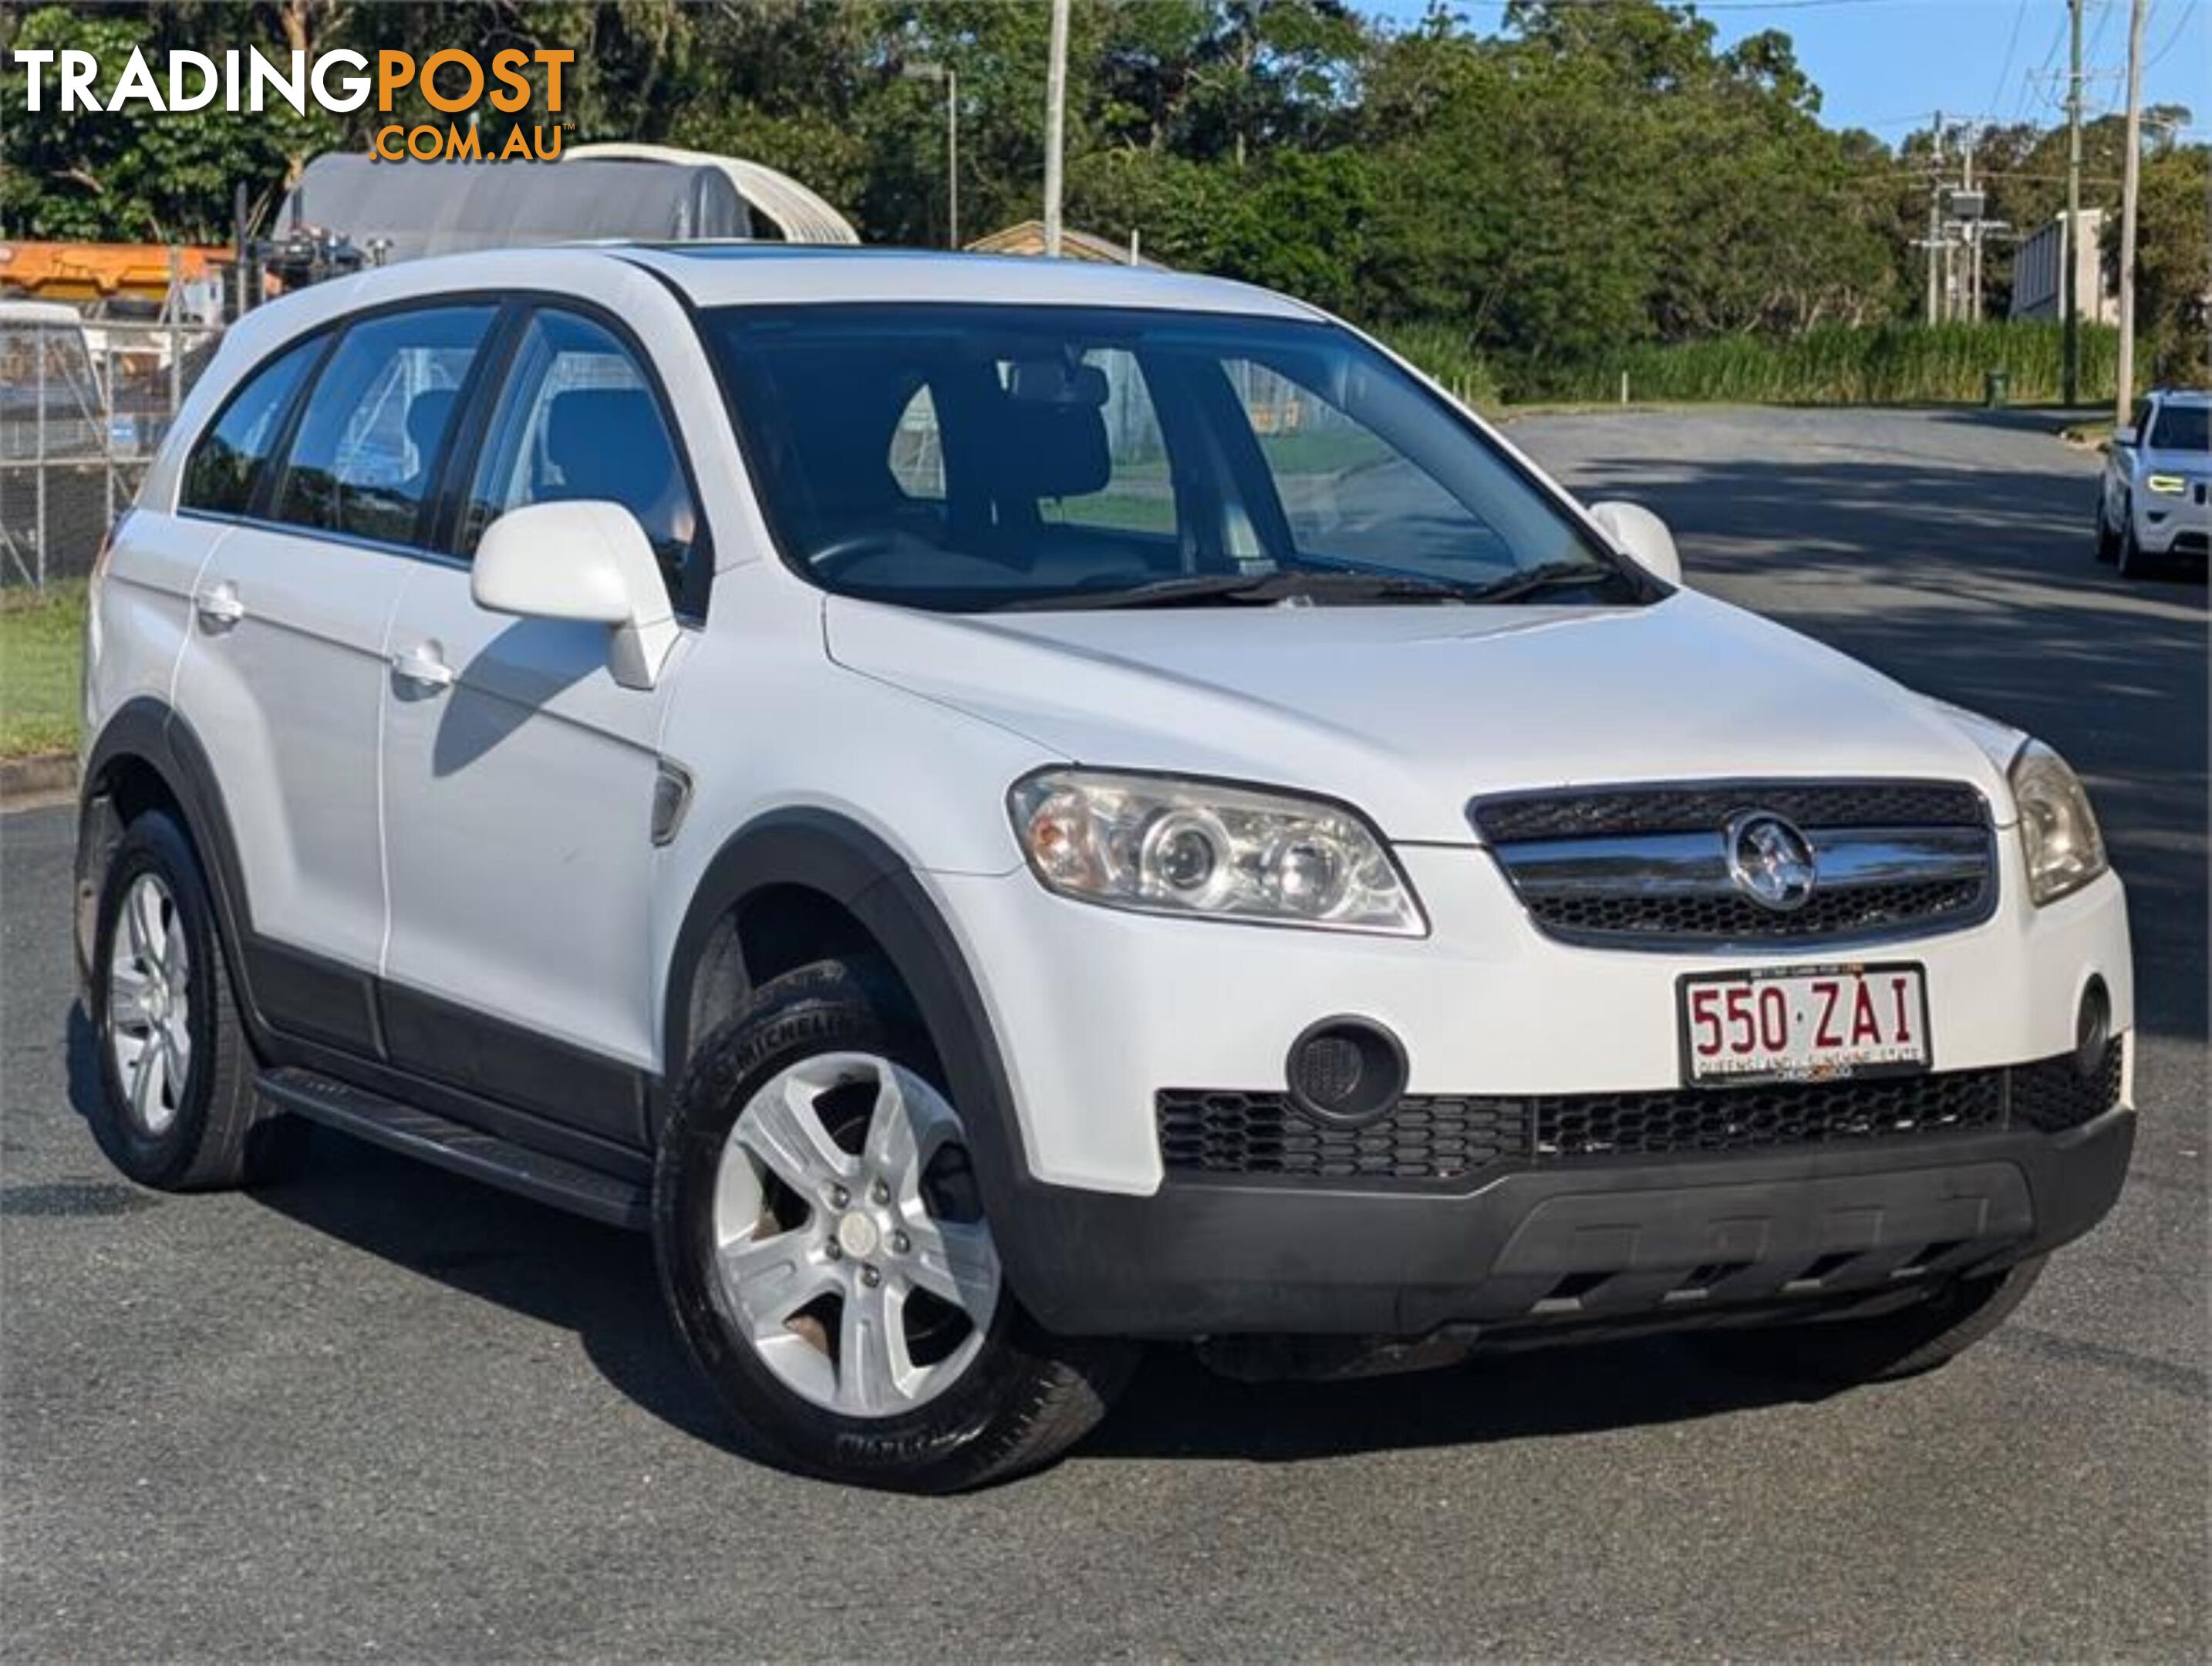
1887, 364
1446, 352
1890, 364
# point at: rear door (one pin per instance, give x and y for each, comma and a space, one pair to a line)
519, 776
283, 681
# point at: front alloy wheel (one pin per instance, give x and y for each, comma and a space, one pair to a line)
826, 1256
865, 1280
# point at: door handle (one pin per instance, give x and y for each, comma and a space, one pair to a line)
420, 667
219, 607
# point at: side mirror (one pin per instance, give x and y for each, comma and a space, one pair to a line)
2123, 436
588, 560
1641, 535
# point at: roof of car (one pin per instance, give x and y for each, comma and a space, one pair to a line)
730, 274
2181, 396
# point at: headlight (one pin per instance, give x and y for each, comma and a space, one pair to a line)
2057, 830
1160, 846
2165, 485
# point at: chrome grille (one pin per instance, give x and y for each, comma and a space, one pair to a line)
1648, 867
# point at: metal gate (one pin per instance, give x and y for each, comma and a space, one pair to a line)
84, 406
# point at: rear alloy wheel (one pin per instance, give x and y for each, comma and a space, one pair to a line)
150, 1006
826, 1254
178, 1108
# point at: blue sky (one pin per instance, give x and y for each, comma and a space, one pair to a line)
1888, 65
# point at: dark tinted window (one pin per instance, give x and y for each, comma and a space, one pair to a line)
578, 418
2182, 427
972, 458
225, 464
376, 418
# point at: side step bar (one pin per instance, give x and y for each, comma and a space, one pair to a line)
466, 1151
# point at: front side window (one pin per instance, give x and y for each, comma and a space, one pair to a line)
1346, 493
365, 458
227, 463
968, 458
578, 419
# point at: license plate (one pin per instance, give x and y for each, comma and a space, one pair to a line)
1803, 1025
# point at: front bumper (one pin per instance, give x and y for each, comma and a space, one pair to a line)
1095, 1011
1663, 1242
2175, 524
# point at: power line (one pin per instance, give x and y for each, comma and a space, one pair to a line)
2097, 38
2173, 36
2037, 75
2012, 45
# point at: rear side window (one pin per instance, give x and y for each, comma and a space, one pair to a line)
579, 418
227, 463
364, 457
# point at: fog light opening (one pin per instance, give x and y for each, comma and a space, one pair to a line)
2092, 1028
1345, 1070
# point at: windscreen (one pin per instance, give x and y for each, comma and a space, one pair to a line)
2182, 427
969, 458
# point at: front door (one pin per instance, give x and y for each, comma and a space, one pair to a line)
519, 776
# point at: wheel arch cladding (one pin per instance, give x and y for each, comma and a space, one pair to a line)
146, 757
778, 860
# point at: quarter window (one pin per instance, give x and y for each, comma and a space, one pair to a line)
578, 418
227, 463
365, 452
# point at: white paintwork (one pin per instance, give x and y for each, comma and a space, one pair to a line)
1641, 535
516, 796
517, 807
1420, 708
287, 699
580, 560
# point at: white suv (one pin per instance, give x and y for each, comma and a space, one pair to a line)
1004, 809
2151, 498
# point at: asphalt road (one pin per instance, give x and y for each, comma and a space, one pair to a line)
379, 1410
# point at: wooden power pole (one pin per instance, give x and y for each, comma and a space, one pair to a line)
2131, 170
1055, 125
2069, 300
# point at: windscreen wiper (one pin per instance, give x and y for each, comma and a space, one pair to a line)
1260, 590
1550, 576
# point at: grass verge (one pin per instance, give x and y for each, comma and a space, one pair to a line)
41, 645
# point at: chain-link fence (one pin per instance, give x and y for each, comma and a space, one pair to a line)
83, 405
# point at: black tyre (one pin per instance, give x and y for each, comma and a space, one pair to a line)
1842, 1352
823, 1251
2132, 561
2108, 541
177, 1108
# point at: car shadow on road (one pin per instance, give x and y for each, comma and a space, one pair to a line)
560, 1269
1178, 1408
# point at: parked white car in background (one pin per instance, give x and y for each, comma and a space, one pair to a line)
1004, 808
2151, 500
